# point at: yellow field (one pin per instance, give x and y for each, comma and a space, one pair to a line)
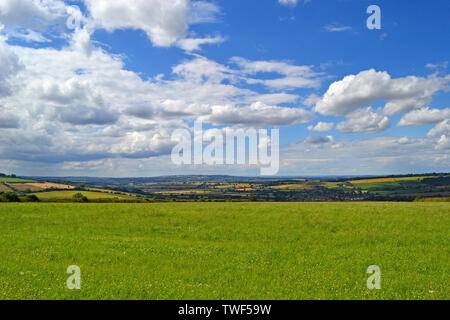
381, 180
373, 180
39, 186
183, 192
298, 186
5, 188
61, 195
24, 187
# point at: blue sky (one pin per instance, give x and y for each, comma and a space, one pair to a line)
103, 98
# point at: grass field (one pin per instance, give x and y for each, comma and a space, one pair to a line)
435, 200
14, 180
384, 180
61, 195
225, 251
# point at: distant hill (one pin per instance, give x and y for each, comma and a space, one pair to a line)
221, 178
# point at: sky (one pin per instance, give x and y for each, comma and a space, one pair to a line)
97, 87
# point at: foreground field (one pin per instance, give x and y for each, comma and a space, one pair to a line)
225, 251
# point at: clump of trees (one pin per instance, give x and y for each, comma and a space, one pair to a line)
7, 176
9, 197
79, 197
32, 198
14, 197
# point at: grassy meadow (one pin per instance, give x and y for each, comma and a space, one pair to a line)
15, 180
68, 195
225, 250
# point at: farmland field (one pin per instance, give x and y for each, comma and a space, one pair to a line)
5, 188
61, 195
225, 250
14, 180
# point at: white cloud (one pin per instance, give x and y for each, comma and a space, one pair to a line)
257, 115
8, 121
86, 115
443, 65
93, 108
315, 139
164, 22
28, 19
380, 155
9, 66
443, 143
322, 127
355, 91
293, 76
28, 35
335, 27
31, 13
424, 116
440, 129
364, 121
201, 69
288, 3
81, 42
194, 44
79, 108
203, 12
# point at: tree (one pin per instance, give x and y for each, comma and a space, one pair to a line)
79, 197
11, 197
32, 198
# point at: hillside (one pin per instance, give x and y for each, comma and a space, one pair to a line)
228, 188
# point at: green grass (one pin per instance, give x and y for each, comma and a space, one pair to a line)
61, 195
15, 180
225, 251
434, 199
397, 187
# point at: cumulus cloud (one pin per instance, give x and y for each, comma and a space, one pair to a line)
442, 128
424, 116
28, 19
257, 115
8, 121
322, 127
355, 91
79, 105
315, 139
163, 21
293, 76
9, 66
201, 69
365, 121
86, 115
443, 143
31, 13
93, 108
380, 155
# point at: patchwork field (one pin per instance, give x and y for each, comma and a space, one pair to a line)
68, 195
14, 180
5, 188
27, 186
225, 250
